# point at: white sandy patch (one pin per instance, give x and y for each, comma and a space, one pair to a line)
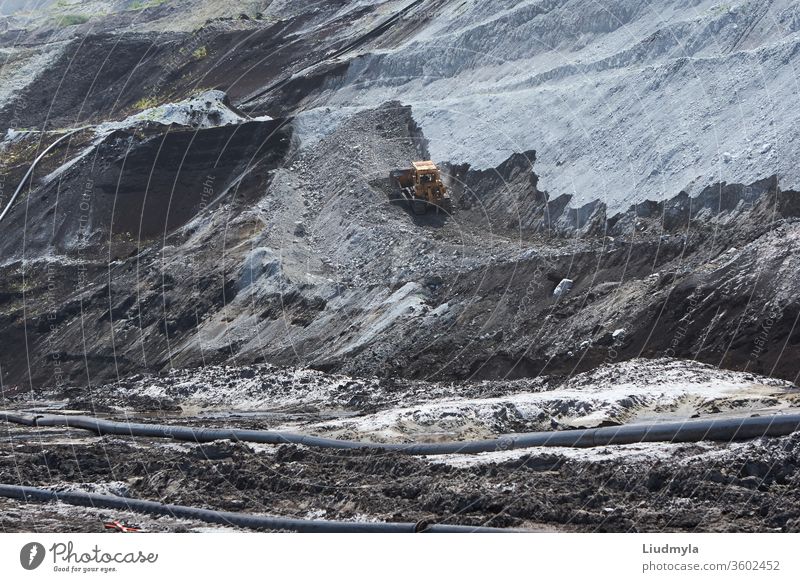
639, 391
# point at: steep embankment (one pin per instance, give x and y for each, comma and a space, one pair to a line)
233, 237
623, 101
304, 257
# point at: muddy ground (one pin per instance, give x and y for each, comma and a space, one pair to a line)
741, 486
752, 487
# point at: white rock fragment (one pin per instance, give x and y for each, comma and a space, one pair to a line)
563, 287
204, 110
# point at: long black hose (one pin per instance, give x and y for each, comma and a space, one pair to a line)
229, 518
32, 167
723, 429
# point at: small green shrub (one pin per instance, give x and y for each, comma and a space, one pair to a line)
142, 4
200, 53
72, 19
145, 103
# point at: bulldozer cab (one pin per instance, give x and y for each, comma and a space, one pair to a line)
425, 171
427, 181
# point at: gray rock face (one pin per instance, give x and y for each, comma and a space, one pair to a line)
623, 101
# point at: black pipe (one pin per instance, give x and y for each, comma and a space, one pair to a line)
33, 167
722, 429
245, 520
